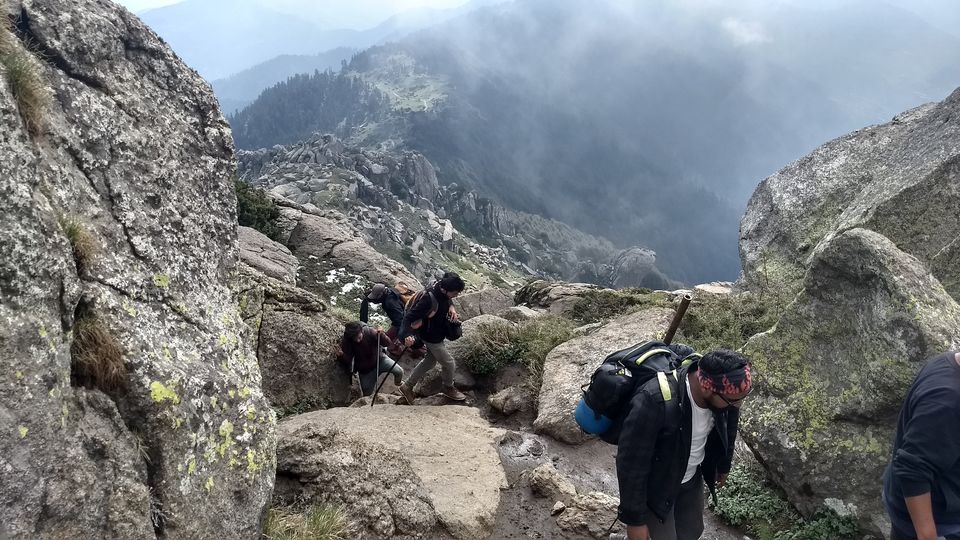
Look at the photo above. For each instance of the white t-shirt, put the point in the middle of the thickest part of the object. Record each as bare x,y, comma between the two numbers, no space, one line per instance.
701,426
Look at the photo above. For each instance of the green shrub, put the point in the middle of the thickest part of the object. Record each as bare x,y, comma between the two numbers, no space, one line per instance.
493,346
750,502
324,522
22,73
606,304
726,321
257,210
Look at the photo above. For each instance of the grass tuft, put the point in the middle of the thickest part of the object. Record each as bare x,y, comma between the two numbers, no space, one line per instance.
83,243
727,321
494,346
324,522
605,304
22,72
97,358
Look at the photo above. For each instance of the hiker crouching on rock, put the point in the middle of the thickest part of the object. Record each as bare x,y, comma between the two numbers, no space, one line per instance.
668,447
426,319
362,349
921,486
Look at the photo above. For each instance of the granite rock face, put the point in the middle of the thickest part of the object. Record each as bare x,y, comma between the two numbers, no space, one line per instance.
130,404
834,371
900,179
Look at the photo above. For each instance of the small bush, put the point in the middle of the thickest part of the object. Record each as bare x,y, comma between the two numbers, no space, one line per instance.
97,358
256,210
725,321
750,502
317,523
22,73
601,305
492,347
82,242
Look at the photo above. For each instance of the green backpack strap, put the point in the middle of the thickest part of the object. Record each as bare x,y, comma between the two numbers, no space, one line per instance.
650,353
690,358
665,383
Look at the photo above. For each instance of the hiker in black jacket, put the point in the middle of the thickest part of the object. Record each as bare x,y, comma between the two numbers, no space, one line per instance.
426,321
392,303
679,432
921,486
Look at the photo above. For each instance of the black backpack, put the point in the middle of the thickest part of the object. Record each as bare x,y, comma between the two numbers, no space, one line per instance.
607,396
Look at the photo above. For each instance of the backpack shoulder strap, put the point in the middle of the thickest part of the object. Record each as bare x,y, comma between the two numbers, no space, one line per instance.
663,377
643,357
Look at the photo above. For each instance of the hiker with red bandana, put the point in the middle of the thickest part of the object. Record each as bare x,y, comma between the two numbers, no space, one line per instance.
668,447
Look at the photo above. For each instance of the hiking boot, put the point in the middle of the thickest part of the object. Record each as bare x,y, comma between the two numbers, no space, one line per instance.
451,392
407,393
397,379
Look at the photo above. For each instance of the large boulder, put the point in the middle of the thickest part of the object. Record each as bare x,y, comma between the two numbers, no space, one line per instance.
490,301
295,338
400,472
833,372
901,179
263,254
130,406
570,364
554,297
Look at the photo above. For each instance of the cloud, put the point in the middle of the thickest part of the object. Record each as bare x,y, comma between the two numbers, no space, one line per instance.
745,32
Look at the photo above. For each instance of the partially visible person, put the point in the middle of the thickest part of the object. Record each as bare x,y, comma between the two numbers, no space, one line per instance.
392,303
361,350
921,486
426,320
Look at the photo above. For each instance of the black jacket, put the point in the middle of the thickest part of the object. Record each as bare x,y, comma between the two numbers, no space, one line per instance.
654,447
392,306
434,329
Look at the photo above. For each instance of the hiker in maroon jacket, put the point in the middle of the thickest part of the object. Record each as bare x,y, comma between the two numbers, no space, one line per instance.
361,350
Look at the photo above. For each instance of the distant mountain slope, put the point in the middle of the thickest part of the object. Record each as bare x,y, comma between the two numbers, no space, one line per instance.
644,123
239,90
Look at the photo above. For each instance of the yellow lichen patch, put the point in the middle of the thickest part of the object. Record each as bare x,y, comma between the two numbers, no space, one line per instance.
226,430
209,484
43,331
192,466
160,393
245,392
23,431
251,413
232,393
19,375
252,465
131,311
177,422
162,280
222,340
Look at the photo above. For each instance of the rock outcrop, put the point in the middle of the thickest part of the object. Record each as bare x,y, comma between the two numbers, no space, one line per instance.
295,338
900,179
571,363
835,369
400,472
130,407
553,297
266,256
490,301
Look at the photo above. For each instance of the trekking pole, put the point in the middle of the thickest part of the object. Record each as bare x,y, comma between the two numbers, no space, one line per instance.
379,386
677,317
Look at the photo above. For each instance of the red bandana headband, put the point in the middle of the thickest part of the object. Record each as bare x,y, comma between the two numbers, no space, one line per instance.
734,382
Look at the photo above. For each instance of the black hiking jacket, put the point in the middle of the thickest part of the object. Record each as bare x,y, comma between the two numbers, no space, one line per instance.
654,447
392,306
434,329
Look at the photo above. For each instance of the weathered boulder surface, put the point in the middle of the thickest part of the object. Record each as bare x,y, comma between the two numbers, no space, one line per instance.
401,472
263,254
322,244
570,364
490,301
901,179
554,297
295,339
129,405
835,369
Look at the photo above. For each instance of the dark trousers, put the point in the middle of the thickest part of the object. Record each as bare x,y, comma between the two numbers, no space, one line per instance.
685,520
